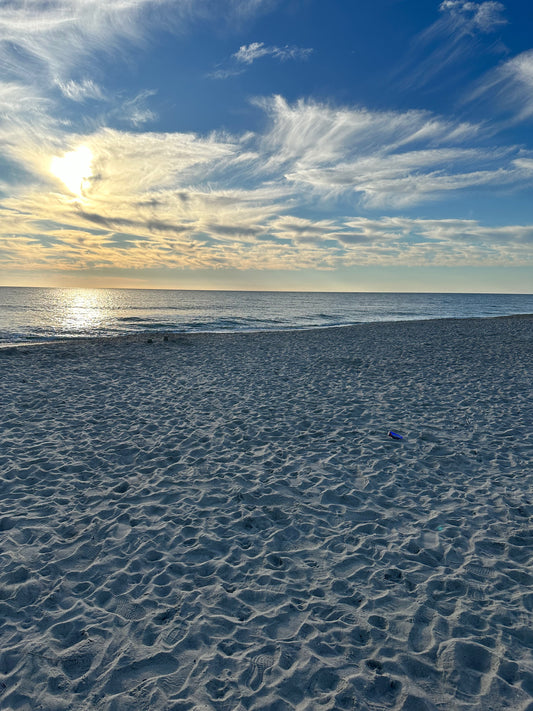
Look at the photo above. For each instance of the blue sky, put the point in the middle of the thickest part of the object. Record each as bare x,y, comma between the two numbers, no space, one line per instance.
253,144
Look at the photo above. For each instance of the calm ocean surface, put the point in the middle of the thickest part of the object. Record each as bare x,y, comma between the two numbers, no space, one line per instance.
36,314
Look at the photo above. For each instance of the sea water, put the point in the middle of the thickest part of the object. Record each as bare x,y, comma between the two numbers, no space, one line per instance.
42,314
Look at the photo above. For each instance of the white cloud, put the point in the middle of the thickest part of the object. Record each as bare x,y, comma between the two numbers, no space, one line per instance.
380,159
43,39
43,43
511,86
316,133
80,91
180,199
185,200
441,230
525,164
132,163
219,235
225,73
249,53
386,158
460,33
135,111
474,16
22,105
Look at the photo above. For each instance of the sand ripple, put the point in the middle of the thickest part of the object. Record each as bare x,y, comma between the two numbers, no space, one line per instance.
221,522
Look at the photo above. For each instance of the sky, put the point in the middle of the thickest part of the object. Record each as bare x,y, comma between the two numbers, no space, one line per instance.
267,144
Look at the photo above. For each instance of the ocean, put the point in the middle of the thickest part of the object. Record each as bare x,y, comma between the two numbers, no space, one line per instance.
29,314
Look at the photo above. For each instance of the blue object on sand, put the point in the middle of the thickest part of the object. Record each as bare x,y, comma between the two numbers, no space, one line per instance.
394,435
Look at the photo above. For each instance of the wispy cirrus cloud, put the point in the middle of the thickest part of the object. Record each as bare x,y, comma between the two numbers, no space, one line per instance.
464,16
49,54
80,90
21,105
383,159
243,200
55,35
135,111
461,31
509,88
61,44
45,41
187,201
247,54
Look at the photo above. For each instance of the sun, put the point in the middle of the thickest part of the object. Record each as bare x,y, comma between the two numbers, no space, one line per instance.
74,169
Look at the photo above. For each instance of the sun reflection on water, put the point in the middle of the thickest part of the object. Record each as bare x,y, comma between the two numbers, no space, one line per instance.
82,311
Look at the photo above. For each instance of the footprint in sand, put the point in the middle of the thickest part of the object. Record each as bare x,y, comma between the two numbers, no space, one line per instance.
77,664
421,635
252,676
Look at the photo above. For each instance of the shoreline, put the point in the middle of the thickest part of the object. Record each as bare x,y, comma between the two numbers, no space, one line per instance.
138,336
219,522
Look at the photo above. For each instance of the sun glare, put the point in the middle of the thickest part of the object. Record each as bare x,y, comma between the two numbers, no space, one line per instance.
82,310
74,169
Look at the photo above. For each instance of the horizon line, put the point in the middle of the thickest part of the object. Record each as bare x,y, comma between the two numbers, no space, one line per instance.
267,291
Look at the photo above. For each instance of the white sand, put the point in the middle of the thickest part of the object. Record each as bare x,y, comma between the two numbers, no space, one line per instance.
221,522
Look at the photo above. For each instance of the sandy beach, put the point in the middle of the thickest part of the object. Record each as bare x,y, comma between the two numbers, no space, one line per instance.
220,521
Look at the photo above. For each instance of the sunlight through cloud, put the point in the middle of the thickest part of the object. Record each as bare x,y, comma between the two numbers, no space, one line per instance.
74,169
